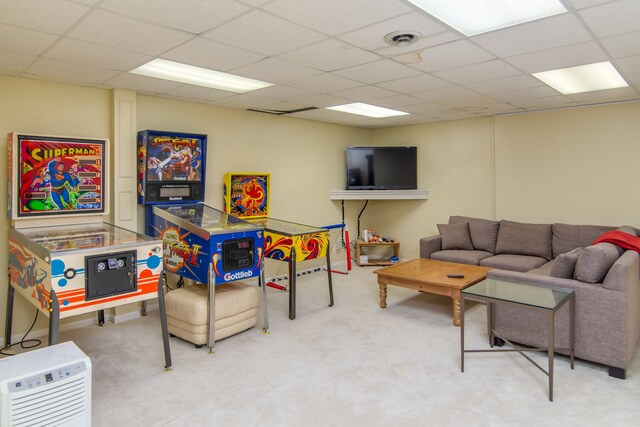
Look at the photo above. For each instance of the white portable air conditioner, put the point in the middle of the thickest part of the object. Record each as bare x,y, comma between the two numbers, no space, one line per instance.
50,386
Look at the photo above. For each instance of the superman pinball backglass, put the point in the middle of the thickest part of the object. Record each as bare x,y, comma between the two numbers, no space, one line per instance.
55,176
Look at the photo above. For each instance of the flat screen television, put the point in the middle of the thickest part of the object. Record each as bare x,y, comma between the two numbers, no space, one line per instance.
382,168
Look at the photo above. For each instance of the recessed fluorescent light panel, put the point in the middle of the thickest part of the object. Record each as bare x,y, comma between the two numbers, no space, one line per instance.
177,72
368,110
472,17
584,78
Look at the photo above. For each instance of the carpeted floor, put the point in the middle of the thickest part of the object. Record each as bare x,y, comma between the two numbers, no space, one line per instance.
353,364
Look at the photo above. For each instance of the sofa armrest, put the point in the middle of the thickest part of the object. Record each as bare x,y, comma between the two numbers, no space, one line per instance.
429,245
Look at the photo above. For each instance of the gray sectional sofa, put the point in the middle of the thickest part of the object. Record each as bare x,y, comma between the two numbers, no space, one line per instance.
605,277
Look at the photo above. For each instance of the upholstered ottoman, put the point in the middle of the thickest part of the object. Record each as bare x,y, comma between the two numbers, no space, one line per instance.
187,310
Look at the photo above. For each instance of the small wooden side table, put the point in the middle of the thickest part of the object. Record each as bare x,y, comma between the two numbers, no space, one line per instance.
362,244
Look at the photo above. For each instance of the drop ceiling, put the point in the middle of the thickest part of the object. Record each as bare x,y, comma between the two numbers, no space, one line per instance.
322,54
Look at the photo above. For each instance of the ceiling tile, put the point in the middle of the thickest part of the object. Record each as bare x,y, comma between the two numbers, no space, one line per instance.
363,93
581,4
248,32
275,70
199,92
335,17
14,63
282,92
90,54
613,18
425,107
396,101
413,84
634,79
556,31
501,108
605,95
557,101
505,84
629,64
377,72
372,37
478,72
624,45
321,101
193,16
51,16
21,40
535,92
473,104
562,57
141,83
451,55
210,54
66,71
445,93
255,3
244,101
324,82
330,55
108,29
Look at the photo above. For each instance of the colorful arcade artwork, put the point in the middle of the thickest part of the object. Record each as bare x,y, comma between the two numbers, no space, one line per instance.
170,166
57,176
195,236
246,195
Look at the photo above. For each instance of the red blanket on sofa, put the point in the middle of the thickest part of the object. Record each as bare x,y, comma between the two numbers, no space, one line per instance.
620,238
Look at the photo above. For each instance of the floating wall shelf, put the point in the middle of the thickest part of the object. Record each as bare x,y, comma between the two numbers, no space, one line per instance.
379,194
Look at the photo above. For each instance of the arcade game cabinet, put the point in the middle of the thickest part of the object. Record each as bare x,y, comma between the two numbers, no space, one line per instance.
200,243
62,258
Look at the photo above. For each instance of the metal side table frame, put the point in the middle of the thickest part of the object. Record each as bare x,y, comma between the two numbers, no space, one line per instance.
546,299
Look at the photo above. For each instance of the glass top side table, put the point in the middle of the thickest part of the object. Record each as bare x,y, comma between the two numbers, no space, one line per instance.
547,299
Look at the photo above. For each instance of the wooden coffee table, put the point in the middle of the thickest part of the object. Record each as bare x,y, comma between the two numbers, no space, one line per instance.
428,275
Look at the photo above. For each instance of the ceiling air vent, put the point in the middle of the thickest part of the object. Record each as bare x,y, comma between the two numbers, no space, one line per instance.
402,38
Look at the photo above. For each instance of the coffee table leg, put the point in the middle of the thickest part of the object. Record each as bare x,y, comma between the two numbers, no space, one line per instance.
383,295
456,311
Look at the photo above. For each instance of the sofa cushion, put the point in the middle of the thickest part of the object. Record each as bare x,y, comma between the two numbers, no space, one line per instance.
623,272
628,229
462,257
565,264
524,239
455,236
521,263
567,237
595,261
484,232
544,269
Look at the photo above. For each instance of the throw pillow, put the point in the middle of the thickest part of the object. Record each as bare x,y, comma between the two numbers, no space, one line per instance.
524,239
455,236
595,261
565,264
484,232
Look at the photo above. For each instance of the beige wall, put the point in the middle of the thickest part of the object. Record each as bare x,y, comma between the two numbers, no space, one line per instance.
455,163
576,166
46,108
